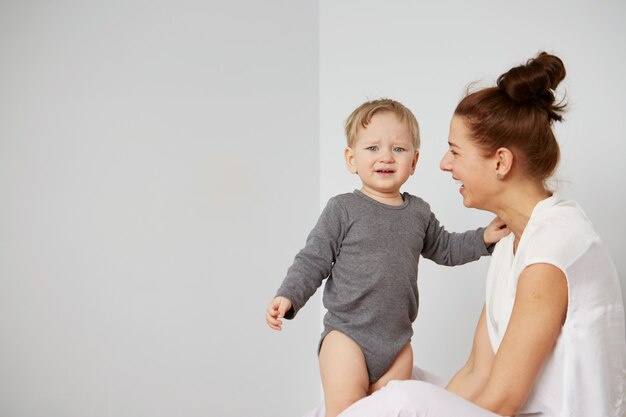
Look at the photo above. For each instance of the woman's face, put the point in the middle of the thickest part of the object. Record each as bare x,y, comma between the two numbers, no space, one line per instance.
465,161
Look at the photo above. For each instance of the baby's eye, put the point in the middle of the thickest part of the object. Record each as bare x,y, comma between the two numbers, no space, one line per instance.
372,148
398,149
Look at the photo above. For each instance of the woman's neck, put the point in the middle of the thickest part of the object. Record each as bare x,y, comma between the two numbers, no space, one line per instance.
517,207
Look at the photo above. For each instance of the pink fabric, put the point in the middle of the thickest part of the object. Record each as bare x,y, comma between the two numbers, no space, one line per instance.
424,396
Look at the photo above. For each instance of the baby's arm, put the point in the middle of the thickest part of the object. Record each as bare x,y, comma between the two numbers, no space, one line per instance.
452,248
276,310
310,267
495,231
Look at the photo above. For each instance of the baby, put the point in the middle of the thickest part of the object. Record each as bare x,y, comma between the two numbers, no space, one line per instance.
367,245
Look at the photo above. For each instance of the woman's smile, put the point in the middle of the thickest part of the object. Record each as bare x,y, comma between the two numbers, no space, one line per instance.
462,188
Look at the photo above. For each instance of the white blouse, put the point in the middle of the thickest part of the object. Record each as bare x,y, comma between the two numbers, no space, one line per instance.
585,375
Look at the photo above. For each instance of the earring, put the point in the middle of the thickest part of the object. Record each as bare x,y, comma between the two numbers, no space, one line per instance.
499,176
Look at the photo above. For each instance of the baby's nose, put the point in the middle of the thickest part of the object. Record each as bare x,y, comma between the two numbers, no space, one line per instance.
386,155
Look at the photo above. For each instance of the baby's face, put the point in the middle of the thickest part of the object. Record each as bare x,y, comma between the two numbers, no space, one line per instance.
383,155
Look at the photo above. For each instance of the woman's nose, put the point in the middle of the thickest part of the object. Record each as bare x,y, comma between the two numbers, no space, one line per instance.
445,164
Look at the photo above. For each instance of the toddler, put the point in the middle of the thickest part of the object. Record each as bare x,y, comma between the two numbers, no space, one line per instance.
367,244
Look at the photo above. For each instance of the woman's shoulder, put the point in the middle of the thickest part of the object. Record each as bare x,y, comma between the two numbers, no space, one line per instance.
562,218
558,233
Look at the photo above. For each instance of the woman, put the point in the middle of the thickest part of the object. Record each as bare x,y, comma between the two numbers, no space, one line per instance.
550,339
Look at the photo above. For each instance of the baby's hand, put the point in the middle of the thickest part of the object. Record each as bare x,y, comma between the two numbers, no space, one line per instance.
495,231
277,310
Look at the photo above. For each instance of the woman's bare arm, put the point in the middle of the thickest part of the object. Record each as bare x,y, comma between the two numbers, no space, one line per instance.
538,314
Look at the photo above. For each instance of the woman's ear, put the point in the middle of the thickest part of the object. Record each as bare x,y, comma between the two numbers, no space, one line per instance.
348,154
503,162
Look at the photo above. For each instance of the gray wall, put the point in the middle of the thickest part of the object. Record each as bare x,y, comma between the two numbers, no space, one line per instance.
158,172
160,167
424,54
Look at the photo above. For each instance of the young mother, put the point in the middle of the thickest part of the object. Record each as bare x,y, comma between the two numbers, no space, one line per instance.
550,340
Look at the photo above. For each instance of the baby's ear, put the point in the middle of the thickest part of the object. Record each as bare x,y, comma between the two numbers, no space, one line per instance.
415,159
348,154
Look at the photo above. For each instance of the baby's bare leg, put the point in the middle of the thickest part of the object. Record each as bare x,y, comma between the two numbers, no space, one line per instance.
400,369
343,371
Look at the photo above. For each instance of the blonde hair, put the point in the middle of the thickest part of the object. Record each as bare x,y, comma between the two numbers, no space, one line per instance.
363,114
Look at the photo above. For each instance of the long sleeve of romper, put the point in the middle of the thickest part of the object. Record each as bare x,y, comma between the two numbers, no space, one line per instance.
450,248
314,262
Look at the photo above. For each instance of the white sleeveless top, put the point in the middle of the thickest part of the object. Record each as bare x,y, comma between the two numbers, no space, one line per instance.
585,375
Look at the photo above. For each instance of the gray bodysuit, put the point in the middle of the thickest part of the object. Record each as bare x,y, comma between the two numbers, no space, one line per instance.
369,252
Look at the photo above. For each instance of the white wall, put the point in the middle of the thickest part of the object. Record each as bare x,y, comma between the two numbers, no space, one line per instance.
159,169
158,172
424,54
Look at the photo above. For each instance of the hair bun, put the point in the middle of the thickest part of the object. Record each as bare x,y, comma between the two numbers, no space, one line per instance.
534,82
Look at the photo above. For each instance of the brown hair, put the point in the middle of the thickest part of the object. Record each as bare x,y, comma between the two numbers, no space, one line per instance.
363,114
518,114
